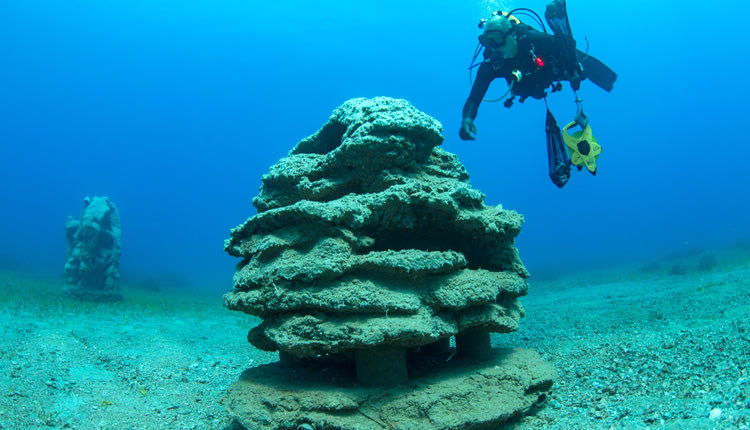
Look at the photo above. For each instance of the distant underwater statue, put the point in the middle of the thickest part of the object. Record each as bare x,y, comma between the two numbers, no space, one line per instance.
369,253
93,251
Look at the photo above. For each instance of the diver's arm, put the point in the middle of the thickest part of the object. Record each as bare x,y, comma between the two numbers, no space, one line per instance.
485,75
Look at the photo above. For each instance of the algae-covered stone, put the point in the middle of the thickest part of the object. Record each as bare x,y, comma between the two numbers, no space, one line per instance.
454,395
93,251
370,250
368,235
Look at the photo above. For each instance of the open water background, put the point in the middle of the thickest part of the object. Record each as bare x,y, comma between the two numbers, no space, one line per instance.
174,109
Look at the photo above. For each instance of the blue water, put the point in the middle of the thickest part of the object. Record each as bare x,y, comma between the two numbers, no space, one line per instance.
174,109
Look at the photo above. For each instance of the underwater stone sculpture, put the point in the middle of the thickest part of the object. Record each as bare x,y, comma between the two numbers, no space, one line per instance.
370,245
93,251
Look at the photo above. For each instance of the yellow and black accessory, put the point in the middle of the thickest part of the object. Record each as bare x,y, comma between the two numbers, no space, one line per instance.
582,146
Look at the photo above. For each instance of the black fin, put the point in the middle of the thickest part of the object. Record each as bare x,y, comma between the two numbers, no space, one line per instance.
557,154
557,18
597,72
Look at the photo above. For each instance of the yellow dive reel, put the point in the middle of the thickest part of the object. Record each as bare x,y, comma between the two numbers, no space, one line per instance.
582,146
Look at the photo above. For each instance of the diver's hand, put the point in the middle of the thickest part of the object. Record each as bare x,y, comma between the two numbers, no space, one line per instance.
467,129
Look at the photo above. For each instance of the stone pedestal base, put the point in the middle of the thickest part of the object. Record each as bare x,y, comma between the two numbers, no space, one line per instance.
439,395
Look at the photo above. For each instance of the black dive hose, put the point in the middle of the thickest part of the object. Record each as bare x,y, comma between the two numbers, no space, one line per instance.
525,11
533,15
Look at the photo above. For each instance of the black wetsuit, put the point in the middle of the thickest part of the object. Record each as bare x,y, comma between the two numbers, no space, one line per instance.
558,65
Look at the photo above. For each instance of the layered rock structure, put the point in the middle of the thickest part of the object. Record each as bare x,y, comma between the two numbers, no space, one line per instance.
369,242
93,251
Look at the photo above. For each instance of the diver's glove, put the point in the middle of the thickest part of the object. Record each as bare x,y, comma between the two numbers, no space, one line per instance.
467,129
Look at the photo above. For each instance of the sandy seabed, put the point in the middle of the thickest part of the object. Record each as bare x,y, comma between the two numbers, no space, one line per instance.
646,348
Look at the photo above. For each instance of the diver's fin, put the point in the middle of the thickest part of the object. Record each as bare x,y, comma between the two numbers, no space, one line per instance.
557,155
596,71
557,18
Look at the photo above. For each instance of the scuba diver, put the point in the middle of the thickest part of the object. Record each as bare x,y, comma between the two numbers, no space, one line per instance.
533,62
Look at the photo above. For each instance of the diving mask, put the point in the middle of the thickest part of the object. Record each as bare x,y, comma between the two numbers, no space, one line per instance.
493,38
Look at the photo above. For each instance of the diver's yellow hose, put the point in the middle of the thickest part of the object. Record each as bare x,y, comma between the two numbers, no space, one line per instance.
510,88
